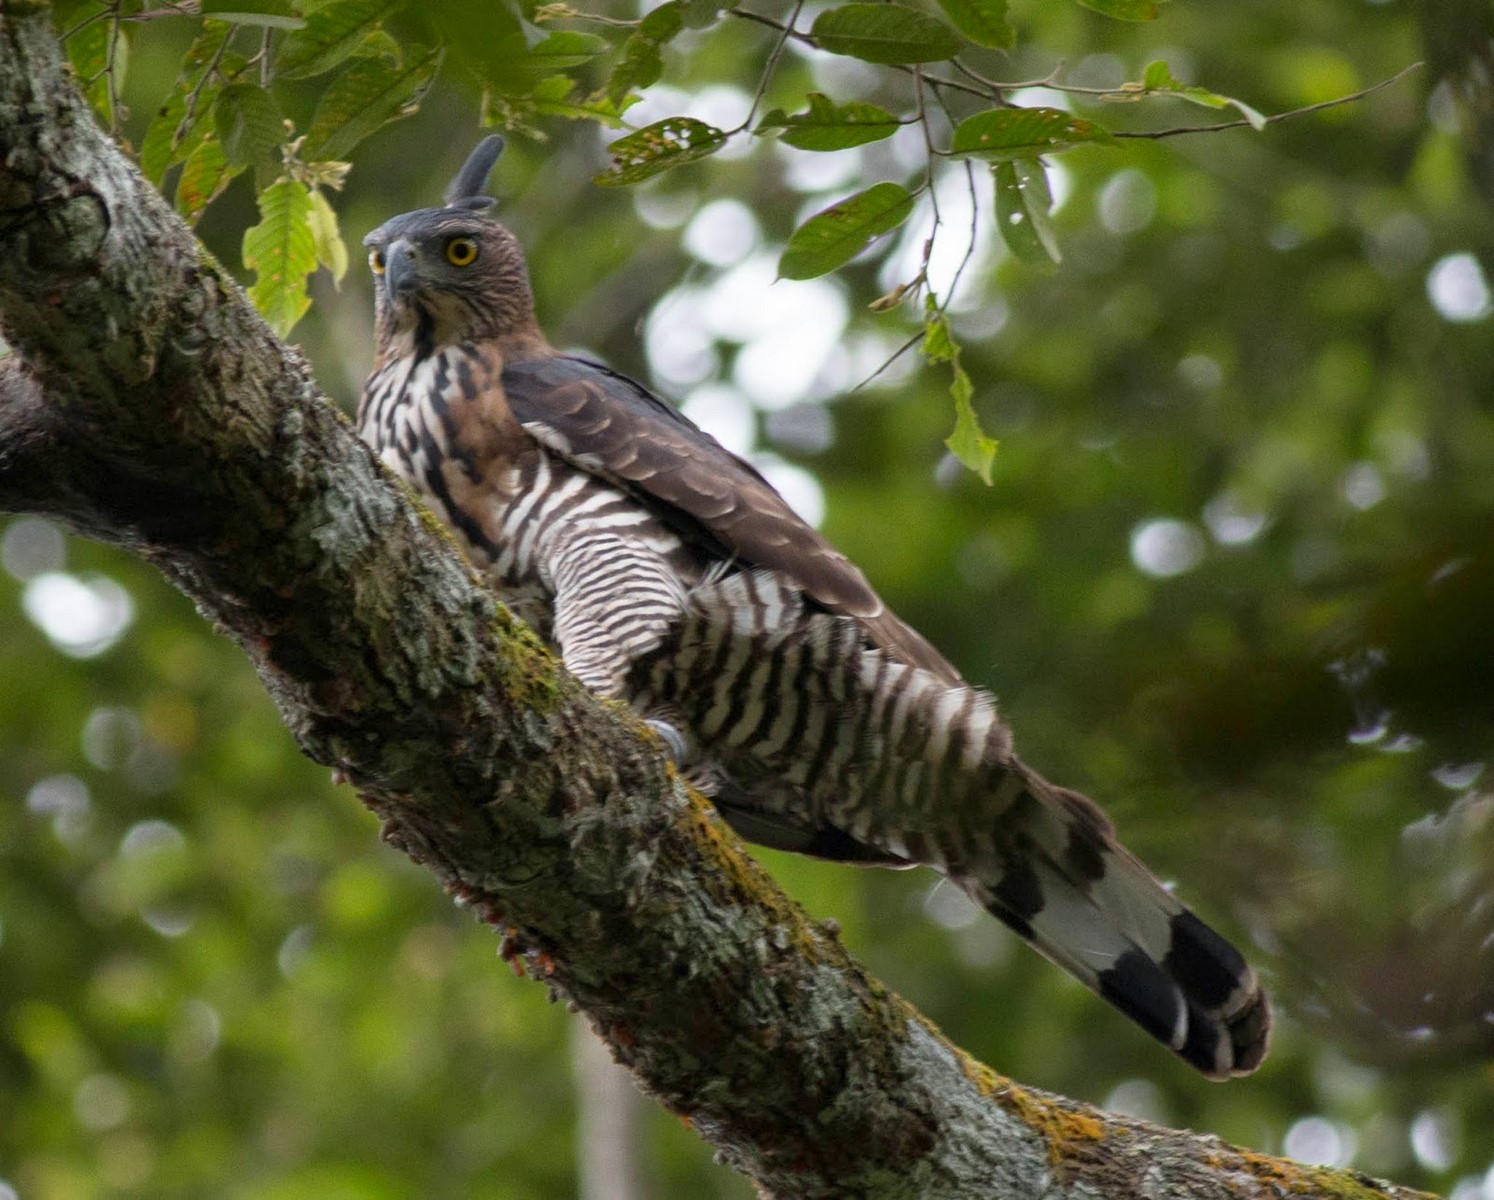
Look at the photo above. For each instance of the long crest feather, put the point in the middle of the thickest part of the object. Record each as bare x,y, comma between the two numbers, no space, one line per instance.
466,189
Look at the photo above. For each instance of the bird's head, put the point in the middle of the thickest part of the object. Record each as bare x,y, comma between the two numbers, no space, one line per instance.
451,274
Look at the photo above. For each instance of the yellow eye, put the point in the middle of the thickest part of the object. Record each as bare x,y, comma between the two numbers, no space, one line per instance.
461,252
376,261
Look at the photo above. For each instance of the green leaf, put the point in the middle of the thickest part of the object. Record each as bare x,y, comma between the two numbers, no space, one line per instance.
1023,133
968,442
884,33
829,126
486,37
204,176
1023,202
836,235
89,50
281,251
249,126
700,14
564,50
273,14
520,67
331,250
171,135
1126,10
981,21
658,147
639,67
1159,78
641,62
559,96
663,22
332,33
367,95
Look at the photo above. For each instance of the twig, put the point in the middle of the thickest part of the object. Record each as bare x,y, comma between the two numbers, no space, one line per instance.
1275,117
786,31
891,358
189,108
112,78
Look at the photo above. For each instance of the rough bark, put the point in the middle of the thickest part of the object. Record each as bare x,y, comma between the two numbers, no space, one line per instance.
149,407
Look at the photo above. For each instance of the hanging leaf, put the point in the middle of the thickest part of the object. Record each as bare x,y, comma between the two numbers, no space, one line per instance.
981,21
836,235
658,147
204,176
367,95
884,33
1159,78
968,442
829,126
1023,133
642,62
249,126
332,33
281,251
331,250
1126,10
1023,202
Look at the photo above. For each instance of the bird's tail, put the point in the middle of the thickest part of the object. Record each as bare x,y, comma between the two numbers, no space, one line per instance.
1066,886
836,748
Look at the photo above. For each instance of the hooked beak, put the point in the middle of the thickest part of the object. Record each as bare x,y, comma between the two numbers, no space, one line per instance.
401,276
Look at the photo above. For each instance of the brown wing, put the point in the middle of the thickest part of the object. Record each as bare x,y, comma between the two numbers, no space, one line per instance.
607,424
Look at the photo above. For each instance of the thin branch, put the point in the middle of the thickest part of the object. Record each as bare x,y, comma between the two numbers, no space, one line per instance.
891,358
770,67
1275,117
189,107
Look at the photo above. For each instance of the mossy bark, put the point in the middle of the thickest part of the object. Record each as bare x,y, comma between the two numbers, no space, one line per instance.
149,407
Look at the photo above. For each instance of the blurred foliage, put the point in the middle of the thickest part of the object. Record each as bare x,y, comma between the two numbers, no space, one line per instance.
1234,577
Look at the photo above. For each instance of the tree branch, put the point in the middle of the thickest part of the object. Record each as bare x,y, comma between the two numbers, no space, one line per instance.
148,406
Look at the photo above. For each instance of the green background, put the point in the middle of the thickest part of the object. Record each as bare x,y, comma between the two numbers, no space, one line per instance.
215,981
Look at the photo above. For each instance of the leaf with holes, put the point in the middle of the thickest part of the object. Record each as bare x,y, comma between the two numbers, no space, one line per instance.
281,251
658,147
829,126
333,31
884,33
836,235
1023,133
1023,202
367,95
981,21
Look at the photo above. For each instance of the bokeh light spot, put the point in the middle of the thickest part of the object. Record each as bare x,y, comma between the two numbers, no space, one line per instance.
1458,289
1166,547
